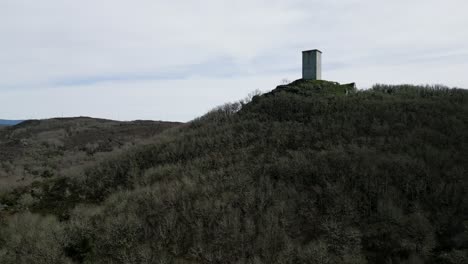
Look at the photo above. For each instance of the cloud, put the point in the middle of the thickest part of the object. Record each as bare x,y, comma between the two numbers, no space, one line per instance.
93,47
176,100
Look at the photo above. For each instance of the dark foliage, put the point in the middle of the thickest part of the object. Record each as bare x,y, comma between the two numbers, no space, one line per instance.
312,172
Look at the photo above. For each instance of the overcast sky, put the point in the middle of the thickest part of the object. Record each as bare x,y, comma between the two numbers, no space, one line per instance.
175,60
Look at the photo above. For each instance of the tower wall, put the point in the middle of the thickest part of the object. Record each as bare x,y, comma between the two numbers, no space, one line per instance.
312,65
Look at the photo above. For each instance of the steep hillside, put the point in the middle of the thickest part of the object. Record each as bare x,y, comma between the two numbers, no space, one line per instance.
312,172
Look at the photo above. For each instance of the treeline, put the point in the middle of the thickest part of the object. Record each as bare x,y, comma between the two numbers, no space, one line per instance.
313,172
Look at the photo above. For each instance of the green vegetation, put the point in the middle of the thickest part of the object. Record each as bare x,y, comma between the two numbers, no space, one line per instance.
312,172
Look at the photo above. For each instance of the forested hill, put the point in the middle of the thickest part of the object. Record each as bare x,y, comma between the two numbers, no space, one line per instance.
35,150
312,172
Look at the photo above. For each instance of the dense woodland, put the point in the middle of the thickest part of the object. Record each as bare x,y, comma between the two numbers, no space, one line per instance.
312,172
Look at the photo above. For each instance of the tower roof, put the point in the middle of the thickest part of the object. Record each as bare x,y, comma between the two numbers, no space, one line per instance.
314,50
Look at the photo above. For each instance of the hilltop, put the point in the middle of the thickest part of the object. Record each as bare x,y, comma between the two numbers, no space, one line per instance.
311,172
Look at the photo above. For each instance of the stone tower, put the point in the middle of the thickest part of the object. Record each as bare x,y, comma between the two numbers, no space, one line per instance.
312,65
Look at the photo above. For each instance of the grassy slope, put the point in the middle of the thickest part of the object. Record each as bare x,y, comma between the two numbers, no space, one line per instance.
312,172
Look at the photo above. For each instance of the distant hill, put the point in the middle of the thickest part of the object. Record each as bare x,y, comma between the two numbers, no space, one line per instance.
4,122
311,172
52,147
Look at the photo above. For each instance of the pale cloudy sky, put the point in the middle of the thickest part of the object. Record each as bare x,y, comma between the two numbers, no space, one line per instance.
175,60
